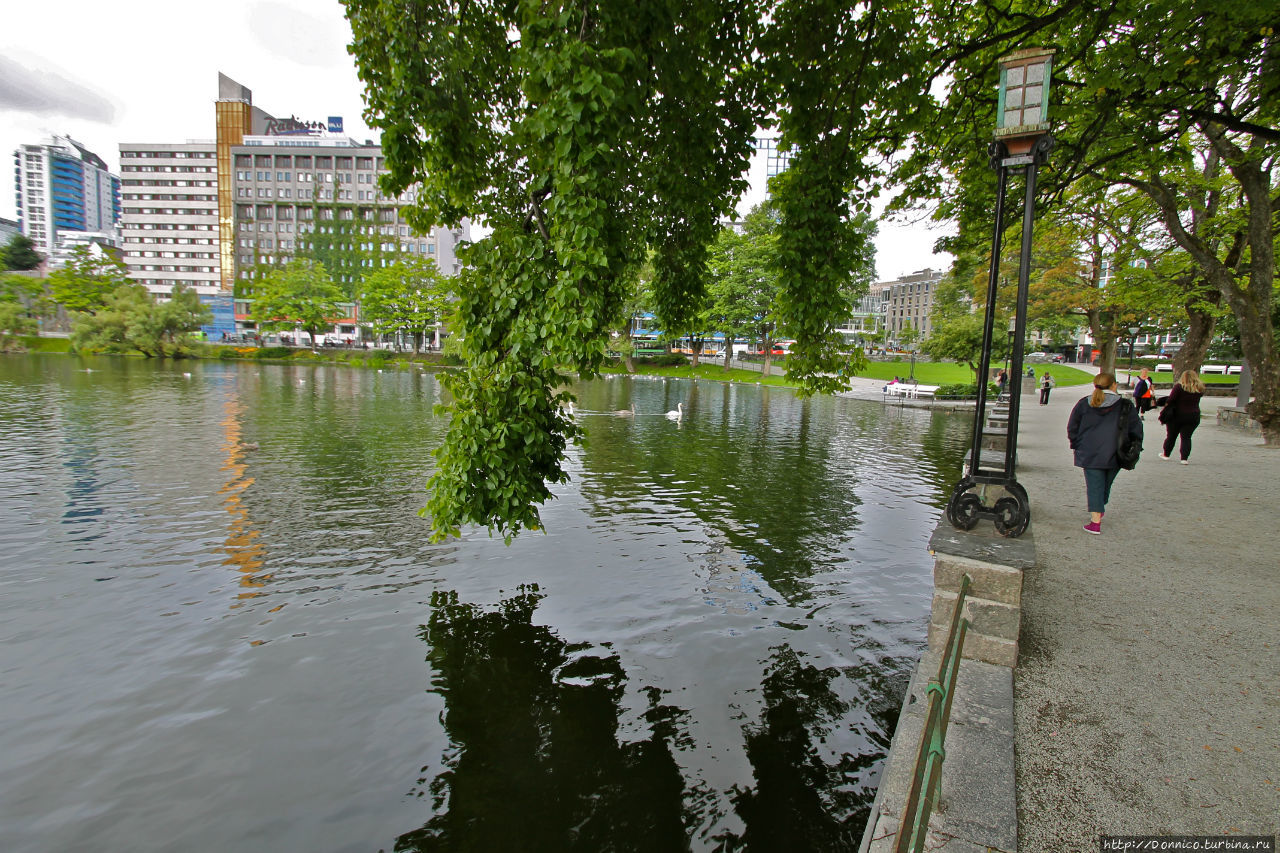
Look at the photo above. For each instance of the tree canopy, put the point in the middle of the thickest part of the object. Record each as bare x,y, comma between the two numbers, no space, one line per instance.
409,298
589,134
130,319
20,254
87,280
301,293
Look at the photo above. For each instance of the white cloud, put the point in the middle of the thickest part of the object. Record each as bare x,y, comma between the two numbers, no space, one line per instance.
296,35
44,92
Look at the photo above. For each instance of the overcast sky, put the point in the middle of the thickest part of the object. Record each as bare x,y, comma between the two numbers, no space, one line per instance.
149,73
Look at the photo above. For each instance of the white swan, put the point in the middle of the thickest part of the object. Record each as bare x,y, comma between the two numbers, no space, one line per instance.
626,413
678,413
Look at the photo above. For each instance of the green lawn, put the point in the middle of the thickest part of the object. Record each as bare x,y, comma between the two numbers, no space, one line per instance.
927,372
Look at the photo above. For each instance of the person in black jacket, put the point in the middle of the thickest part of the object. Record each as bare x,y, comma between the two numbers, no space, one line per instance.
1143,397
1181,414
1091,431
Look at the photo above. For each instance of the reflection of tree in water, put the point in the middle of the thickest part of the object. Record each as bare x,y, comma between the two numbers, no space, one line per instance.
536,763
801,801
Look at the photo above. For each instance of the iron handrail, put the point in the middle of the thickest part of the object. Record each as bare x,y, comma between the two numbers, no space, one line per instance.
927,774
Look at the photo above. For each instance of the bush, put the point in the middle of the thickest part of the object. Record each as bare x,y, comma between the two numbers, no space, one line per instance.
963,391
273,352
673,359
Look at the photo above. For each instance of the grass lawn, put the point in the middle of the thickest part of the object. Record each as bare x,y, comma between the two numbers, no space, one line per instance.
927,372
945,372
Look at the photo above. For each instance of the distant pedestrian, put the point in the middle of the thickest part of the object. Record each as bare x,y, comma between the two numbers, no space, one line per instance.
1002,381
1046,385
1181,414
1091,432
1142,392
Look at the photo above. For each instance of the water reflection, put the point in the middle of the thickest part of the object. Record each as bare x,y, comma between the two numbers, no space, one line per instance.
536,762
244,548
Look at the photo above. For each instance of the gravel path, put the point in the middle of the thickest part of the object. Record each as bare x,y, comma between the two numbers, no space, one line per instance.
1147,694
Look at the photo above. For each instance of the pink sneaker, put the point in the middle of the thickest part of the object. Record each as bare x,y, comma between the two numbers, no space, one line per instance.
1093,527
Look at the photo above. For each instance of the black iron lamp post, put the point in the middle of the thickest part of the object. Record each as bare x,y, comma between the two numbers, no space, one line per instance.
1022,142
1133,342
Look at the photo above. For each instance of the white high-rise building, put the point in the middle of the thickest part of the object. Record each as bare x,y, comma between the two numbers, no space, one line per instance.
63,186
169,226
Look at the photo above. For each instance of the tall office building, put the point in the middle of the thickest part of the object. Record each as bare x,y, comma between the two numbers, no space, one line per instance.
62,186
169,226
317,190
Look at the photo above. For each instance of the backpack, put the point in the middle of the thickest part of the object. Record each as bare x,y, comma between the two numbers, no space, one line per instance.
1128,448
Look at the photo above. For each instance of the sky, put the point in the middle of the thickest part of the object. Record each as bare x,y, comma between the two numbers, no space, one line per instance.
150,74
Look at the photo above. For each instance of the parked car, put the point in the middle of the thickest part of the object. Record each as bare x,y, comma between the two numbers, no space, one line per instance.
1038,355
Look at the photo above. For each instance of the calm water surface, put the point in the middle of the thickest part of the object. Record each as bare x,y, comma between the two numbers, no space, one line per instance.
223,627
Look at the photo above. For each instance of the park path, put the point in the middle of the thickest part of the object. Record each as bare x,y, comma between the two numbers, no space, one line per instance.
1147,692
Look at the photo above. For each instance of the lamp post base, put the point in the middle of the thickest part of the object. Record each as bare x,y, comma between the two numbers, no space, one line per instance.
1011,513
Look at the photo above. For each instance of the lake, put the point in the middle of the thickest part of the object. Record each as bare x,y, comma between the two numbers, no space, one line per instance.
224,627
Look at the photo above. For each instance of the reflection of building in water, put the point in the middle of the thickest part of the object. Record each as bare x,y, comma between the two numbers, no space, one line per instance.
243,548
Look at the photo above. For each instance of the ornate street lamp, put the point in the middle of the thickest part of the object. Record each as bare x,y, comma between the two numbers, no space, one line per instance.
1022,142
1133,342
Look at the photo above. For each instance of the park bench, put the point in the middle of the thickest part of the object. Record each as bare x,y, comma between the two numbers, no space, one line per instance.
1213,368
1235,368
1164,368
925,390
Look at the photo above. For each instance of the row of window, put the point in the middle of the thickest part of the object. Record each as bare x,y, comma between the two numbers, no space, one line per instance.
169,211
167,197
167,226
204,255
176,268
178,155
128,167
307,161
136,183
180,241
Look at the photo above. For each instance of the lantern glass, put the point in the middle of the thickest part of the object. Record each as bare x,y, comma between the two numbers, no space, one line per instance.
1024,93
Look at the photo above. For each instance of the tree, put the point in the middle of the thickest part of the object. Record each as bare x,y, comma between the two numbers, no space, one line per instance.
87,279
130,319
301,293
585,133
957,324
580,135
1151,94
18,294
409,298
20,254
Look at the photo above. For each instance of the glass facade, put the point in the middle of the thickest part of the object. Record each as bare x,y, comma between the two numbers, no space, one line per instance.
233,119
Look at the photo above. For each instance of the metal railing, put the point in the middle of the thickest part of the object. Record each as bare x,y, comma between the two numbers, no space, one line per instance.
926,780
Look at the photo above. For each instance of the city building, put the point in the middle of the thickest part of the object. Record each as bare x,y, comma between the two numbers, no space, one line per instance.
169,221
908,302
62,186
99,243
9,228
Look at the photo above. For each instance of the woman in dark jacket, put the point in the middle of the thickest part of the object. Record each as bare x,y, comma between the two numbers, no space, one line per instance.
1182,414
1091,431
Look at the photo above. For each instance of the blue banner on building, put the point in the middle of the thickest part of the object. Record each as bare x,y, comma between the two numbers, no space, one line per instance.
224,317
335,124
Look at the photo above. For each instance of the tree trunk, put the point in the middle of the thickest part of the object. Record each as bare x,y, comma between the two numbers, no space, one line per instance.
631,365
417,343
1199,337
728,352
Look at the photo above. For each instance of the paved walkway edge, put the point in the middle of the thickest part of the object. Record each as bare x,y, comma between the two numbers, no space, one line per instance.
978,808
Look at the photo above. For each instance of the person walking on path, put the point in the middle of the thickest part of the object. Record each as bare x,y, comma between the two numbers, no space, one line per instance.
1002,380
1181,414
1046,385
1092,433
1142,395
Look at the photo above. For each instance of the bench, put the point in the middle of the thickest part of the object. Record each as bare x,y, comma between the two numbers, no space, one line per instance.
1235,368
1164,368
910,390
1213,368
